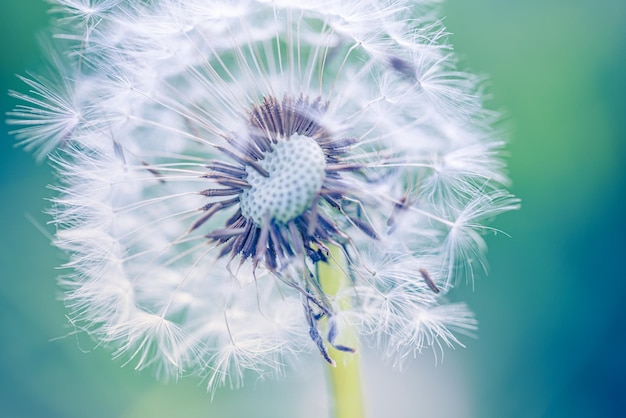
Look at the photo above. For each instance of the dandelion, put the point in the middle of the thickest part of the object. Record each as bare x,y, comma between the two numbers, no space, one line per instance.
241,181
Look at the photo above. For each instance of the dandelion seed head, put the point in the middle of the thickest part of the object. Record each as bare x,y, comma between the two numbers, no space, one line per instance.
212,155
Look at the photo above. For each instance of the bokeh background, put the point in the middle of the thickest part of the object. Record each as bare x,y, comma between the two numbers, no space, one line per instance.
552,312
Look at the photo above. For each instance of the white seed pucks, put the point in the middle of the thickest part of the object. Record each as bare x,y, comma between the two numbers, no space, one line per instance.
296,168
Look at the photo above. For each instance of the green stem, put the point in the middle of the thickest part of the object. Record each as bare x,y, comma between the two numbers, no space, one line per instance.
345,383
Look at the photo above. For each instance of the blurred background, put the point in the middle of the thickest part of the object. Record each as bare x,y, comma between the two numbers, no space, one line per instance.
552,315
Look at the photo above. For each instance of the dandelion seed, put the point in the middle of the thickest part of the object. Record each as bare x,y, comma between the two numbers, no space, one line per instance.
212,155
431,284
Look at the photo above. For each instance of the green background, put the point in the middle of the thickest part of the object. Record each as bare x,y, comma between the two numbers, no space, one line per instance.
552,316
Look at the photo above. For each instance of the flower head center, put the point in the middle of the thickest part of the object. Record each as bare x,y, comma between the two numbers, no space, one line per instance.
296,168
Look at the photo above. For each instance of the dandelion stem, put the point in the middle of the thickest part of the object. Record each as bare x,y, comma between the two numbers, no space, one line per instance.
344,379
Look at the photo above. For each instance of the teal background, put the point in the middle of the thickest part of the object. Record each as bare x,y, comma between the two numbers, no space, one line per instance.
552,316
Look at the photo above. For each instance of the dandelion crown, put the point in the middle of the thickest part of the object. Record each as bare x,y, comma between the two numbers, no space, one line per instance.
213,154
